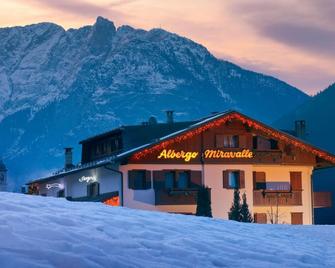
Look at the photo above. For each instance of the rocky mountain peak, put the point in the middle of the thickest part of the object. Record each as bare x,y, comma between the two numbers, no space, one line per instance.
102,35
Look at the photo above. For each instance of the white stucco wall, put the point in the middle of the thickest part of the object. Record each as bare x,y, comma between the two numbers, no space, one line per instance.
145,199
109,182
222,198
52,191
282,173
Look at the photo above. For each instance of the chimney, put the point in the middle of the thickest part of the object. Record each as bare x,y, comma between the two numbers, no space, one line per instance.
169,117
68,157
300,128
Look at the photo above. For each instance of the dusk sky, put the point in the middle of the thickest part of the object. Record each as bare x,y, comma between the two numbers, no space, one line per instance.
289,39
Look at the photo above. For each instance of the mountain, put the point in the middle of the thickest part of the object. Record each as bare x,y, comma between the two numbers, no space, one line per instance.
58,86
319,114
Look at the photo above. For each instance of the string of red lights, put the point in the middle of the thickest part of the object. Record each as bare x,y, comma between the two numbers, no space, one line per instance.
220,121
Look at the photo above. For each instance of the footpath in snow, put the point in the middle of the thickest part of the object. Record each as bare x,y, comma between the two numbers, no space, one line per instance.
40,231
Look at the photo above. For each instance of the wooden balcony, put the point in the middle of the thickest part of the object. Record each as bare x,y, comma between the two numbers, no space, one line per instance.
272,198
268,157
322,199
176,197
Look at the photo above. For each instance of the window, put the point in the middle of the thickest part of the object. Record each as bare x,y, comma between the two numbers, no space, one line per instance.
233,179
115,144
227,141
139,179
101,148
169,180
177,179
262,143
255,142
183,180
273,144
93,189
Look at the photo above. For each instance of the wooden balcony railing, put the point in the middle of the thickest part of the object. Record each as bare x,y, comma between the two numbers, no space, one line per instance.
271,156
322,199
176,197
272,198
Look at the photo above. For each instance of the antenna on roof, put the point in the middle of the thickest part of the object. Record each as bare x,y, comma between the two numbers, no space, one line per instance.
169,116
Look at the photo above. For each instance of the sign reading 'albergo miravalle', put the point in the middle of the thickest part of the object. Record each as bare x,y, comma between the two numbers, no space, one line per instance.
208,154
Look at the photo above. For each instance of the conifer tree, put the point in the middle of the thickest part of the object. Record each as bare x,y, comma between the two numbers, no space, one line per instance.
245,213
235,210
204,203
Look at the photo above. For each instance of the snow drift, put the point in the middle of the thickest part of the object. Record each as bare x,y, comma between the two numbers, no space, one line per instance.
40,231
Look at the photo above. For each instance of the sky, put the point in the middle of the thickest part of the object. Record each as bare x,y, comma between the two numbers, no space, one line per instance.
293,40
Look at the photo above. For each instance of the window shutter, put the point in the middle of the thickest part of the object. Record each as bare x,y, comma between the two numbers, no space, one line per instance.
296,218
260,218
147,184
258,177
241,183
158,178
98,188
243,141
88,190
295,179
196,179
131,179
225,175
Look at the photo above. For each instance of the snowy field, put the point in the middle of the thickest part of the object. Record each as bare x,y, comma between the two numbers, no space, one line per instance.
49,232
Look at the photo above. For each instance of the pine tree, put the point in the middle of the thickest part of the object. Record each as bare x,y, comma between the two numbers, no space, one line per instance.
235,210
245,213
204,203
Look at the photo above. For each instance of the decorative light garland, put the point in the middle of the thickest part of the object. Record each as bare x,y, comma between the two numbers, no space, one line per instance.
220,121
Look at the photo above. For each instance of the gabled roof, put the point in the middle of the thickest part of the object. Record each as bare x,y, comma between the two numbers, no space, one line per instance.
219,119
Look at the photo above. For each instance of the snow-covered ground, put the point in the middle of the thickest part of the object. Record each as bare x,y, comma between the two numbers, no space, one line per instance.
49,232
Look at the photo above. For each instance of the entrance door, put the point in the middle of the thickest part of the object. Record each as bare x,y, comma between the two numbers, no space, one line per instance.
93,189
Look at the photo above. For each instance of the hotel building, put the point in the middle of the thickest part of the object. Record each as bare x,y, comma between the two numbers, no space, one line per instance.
161,166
